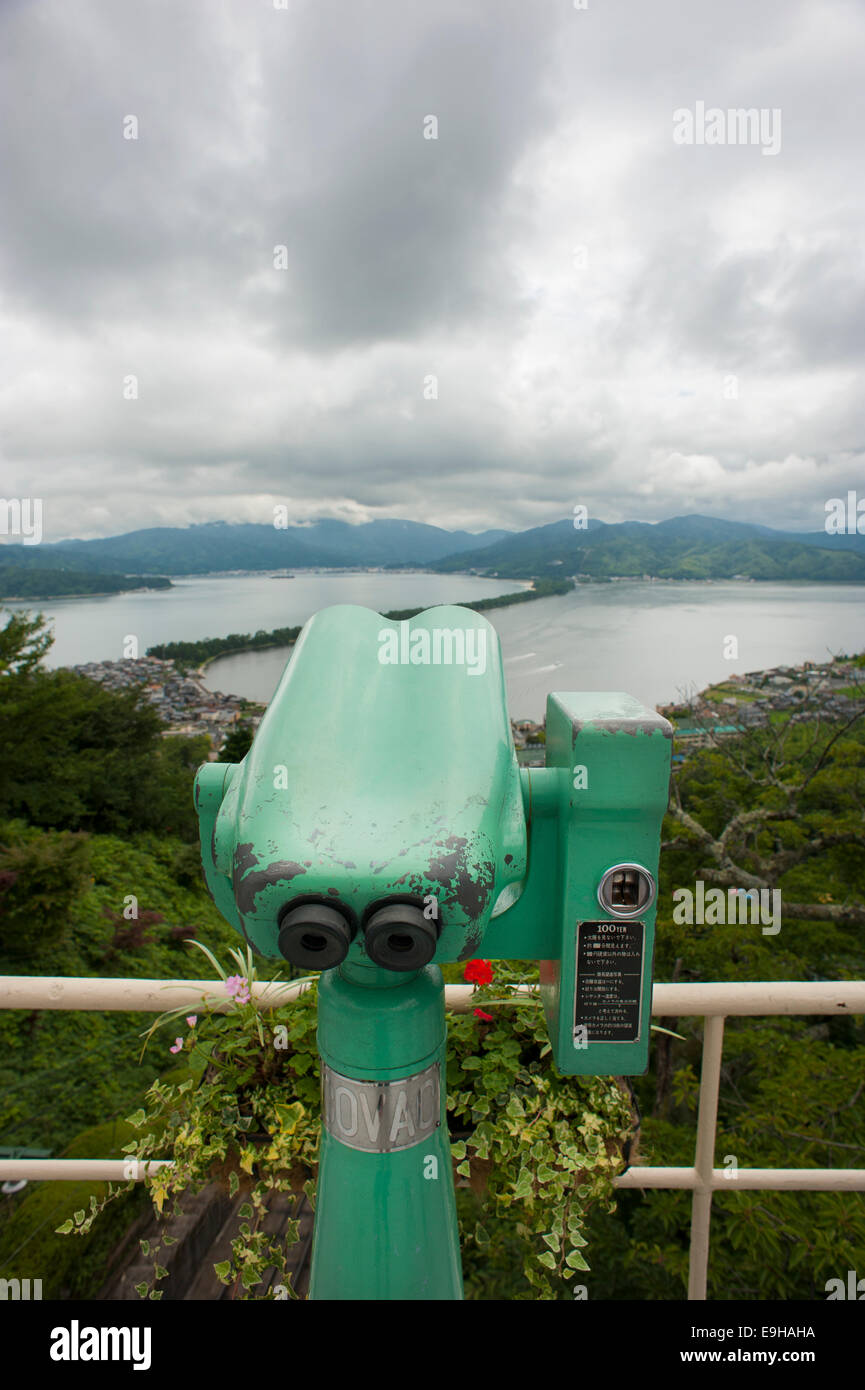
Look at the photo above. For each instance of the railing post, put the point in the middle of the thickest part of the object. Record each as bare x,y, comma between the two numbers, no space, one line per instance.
704,1162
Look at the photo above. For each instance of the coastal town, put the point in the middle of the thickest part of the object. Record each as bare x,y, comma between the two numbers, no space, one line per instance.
834,689
831,690
182,699
188,707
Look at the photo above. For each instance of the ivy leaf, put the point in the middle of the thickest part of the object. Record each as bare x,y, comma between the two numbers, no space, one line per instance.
145,1247
233,1184
574,1260
547,1259
223,1271
290,1116
551,1239
481,1236
523,1186
64,1229
141,1290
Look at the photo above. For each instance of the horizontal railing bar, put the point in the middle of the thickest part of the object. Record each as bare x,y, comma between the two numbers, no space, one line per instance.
668,1000
747,1179
133,996
80,1169
681,1179
753,998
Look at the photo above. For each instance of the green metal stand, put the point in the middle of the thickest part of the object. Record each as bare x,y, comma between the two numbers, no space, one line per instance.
379,827
385,1225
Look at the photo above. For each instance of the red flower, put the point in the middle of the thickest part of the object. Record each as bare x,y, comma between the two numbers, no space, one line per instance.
478,972
479,1013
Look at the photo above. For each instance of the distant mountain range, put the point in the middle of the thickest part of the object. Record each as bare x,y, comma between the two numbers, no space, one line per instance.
222,545
685,547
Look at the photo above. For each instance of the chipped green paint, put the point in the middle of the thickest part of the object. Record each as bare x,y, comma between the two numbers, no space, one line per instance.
367,781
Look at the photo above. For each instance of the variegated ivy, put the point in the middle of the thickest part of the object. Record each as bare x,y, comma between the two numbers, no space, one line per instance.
537,1148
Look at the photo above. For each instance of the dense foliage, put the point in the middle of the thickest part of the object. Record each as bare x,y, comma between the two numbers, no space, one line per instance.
791,1088
90,884
533,1152
77,756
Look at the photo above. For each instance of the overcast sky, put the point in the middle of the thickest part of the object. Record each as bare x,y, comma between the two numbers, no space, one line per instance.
612,318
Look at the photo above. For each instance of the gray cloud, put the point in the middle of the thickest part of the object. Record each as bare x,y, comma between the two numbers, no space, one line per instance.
559,379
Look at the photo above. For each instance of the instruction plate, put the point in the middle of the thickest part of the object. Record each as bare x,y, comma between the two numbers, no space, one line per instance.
609,981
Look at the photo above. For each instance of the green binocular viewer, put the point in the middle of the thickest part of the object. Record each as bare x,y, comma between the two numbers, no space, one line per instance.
381,817
379,827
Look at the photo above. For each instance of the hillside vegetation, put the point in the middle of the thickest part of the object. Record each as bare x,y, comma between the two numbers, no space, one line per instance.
100,875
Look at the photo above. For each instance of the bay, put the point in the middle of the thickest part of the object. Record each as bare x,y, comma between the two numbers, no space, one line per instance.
213,605
657,641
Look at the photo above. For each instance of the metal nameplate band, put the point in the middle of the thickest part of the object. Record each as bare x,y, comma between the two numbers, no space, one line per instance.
381,1116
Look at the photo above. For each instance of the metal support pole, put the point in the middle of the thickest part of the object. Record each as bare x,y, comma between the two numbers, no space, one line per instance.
385,1221
707,1117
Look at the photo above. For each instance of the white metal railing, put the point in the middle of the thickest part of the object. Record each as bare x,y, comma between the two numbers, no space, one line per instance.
713,1002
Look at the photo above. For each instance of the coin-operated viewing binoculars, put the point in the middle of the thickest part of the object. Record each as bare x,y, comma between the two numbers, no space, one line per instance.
380,826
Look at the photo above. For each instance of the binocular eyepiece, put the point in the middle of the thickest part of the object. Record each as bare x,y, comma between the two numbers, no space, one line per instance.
397,935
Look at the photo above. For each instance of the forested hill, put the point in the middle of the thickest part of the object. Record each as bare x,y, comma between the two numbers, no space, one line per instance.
220,545
682,548
685,547
16,582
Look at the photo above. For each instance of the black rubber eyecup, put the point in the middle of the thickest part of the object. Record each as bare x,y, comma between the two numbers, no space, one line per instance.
315,936
399,937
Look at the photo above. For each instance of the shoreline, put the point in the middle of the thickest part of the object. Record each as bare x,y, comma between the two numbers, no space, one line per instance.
528,593
581,582
96,593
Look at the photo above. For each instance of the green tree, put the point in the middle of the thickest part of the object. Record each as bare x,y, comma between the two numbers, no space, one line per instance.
23,643
42,876
80,757
237,743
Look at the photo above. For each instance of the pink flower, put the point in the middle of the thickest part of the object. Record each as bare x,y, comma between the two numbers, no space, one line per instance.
238,986
192,1020
178,1045
479,1013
